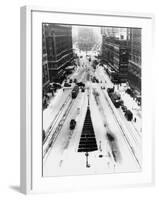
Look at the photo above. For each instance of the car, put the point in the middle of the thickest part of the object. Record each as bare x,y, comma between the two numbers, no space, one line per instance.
80,84
110,90
130,92
121,102
124,108
72,124
67,84
138,99
116,104
97,81
75,91
102,87
54,86
129,115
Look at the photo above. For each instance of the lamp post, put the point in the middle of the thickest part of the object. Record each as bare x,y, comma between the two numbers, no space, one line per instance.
87,164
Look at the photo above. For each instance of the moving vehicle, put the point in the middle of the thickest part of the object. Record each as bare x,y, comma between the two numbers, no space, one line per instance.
72,124
75,92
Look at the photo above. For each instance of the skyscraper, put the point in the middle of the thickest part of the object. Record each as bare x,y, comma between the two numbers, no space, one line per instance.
59,49
134,72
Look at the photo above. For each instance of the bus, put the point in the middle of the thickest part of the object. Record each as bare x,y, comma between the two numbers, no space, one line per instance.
75,92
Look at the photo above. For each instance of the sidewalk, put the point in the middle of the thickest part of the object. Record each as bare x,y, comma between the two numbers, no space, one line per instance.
132,105
129,102
55,103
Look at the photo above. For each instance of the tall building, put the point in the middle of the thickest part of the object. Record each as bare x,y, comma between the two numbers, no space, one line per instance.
59,49
45,69
134,70
115,53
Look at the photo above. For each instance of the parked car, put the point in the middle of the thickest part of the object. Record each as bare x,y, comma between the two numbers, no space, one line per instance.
130,92
75,80
67,84
129,115
121,102
124,108
55,86
80,84
110,90
138,99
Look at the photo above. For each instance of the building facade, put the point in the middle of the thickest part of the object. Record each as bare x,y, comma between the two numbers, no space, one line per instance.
115,54
134,70
45,69
59,50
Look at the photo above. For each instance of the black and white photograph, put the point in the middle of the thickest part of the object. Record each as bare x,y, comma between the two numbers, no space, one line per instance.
91,99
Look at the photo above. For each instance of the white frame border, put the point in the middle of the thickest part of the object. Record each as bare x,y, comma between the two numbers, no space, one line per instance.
26,87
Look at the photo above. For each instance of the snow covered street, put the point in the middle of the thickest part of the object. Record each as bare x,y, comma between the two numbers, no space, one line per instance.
119,141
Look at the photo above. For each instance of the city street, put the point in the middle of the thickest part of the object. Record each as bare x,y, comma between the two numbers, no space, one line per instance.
119,142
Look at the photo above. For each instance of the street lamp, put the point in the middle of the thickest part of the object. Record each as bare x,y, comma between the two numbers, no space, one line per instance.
87,164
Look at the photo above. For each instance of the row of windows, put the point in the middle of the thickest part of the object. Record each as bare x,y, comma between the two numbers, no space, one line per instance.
45,74
61,62
136,59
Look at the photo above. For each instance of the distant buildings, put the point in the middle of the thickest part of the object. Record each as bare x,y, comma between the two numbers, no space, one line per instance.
115,32
87,38
58,40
